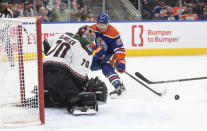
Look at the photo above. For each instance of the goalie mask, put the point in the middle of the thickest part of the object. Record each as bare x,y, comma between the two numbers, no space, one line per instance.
87,33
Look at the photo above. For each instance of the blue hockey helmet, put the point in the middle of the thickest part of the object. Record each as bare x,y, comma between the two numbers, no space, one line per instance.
103,19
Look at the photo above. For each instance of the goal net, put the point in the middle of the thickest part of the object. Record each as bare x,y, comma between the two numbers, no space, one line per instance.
21,80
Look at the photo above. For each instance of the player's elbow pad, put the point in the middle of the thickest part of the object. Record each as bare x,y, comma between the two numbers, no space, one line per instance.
120,54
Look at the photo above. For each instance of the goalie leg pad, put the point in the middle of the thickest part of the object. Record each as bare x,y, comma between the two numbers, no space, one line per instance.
86,105
87,98
51,99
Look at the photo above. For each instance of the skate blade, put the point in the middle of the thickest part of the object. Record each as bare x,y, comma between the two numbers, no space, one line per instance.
101,103
115,96
89,112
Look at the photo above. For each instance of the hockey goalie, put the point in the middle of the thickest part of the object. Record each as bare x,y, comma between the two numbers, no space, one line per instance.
67,62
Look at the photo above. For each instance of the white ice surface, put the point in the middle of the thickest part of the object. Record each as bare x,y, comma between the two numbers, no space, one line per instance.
140,109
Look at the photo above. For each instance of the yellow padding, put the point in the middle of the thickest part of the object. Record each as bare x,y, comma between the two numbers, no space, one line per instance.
130,53
30,56
26,56
166,52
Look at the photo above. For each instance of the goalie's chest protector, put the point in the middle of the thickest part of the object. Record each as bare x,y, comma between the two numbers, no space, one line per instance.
71,53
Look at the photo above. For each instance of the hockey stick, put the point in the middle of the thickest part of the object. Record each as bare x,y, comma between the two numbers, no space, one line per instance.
157,93
166,81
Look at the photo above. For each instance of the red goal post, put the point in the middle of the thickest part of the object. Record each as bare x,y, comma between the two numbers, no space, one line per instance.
21,72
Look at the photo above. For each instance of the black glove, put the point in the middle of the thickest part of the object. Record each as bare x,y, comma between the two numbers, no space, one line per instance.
46,46
99,87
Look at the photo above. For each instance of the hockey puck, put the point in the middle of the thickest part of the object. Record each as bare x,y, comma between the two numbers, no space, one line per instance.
177,97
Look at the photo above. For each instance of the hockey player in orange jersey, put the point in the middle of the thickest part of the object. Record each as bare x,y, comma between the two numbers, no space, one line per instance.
188,14
109,46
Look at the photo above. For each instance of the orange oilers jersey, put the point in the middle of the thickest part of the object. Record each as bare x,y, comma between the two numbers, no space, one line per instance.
190,17
176,10
111,41
160,11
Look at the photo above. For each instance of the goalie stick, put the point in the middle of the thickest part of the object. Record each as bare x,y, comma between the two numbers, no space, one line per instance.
155,92
139,75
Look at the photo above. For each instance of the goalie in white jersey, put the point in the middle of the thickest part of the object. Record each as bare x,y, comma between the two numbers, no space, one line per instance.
66,65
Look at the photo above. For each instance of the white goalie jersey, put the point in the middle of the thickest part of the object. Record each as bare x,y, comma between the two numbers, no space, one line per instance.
70,51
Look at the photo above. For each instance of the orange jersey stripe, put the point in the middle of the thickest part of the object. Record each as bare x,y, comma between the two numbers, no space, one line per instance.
113,77
99,48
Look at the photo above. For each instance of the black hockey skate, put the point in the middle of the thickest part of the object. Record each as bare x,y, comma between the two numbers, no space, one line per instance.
118,92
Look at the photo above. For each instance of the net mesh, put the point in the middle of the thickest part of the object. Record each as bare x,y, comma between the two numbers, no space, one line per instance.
19,91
